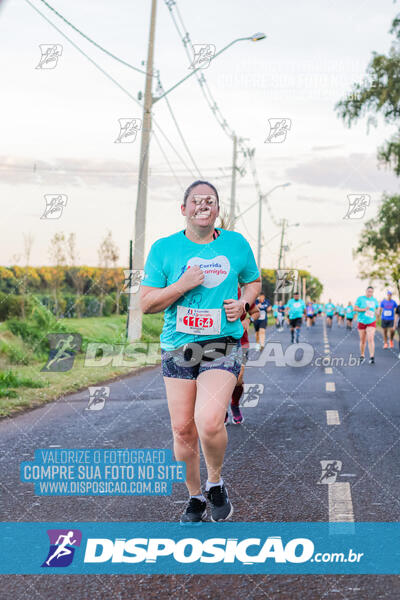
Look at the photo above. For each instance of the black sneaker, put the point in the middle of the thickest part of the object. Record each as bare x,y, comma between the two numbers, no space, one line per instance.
372,360
221,508
361,360
195,512
237,417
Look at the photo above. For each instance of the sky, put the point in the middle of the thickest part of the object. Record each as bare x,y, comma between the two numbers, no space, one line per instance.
59,125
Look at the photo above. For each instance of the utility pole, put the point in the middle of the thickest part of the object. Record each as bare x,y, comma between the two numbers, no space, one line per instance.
134,312
260,199
233,185
283,224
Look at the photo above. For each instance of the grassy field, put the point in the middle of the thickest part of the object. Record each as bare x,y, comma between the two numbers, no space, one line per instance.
22,383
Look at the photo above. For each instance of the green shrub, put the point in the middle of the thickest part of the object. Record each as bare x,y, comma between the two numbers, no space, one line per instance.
34,329
11,305
10,379
15,355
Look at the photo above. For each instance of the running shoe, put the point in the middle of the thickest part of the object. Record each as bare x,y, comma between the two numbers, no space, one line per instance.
195,512
372,360
391,344
221,508
385,345
362,360
237,417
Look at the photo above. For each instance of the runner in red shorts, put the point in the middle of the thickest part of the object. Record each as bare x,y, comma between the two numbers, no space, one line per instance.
237,417
366,307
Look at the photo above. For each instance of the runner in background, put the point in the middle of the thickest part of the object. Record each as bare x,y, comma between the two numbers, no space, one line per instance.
397,323
315,306
366,307
341,313
237,417
295,308
349,315
309,313
281,314
329,311
260,324
386,310
275,314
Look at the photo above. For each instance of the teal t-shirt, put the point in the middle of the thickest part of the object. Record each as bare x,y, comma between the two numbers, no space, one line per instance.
296,308
349,312
341,310
371,304
329,309
275,310
227,261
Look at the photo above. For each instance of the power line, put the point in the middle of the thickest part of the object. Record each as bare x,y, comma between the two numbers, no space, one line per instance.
120,60
167,161
130,66
121,87
210,99
177,126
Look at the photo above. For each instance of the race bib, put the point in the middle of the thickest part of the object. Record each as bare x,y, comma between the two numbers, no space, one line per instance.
369,314
387,313
198,321
263,315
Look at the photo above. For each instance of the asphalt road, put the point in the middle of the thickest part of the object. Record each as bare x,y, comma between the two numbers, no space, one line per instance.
272,467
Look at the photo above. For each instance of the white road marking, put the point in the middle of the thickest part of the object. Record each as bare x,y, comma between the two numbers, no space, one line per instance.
326,350
332,417
328,371
330,386
340,502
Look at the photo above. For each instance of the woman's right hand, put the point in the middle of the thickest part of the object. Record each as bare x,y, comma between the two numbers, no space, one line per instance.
192,277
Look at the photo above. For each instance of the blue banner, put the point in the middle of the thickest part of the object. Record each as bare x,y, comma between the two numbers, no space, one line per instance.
103,472
150,548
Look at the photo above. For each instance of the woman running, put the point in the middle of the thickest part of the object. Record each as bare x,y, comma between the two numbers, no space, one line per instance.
193,276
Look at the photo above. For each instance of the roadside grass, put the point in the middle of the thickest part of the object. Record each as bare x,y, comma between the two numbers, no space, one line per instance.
22,383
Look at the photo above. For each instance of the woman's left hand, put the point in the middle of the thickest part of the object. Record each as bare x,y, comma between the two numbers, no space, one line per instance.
233,309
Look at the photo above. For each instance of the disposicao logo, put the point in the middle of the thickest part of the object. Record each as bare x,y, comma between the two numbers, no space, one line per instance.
62,547
190,550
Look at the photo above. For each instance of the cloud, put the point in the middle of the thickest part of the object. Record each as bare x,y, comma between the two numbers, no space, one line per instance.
318,200
323,148
356,173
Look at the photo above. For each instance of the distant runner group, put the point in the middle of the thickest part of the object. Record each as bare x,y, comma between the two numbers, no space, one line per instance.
365,311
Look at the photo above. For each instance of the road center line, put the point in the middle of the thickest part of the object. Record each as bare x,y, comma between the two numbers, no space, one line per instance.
340,502
330,386
328,371
332,417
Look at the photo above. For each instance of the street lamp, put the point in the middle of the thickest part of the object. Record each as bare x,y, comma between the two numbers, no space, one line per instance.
254,38
134,324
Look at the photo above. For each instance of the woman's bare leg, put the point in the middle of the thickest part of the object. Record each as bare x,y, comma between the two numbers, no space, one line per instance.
214,393
181,395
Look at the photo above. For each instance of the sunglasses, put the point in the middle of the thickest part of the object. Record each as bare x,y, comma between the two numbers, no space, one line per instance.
208,200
